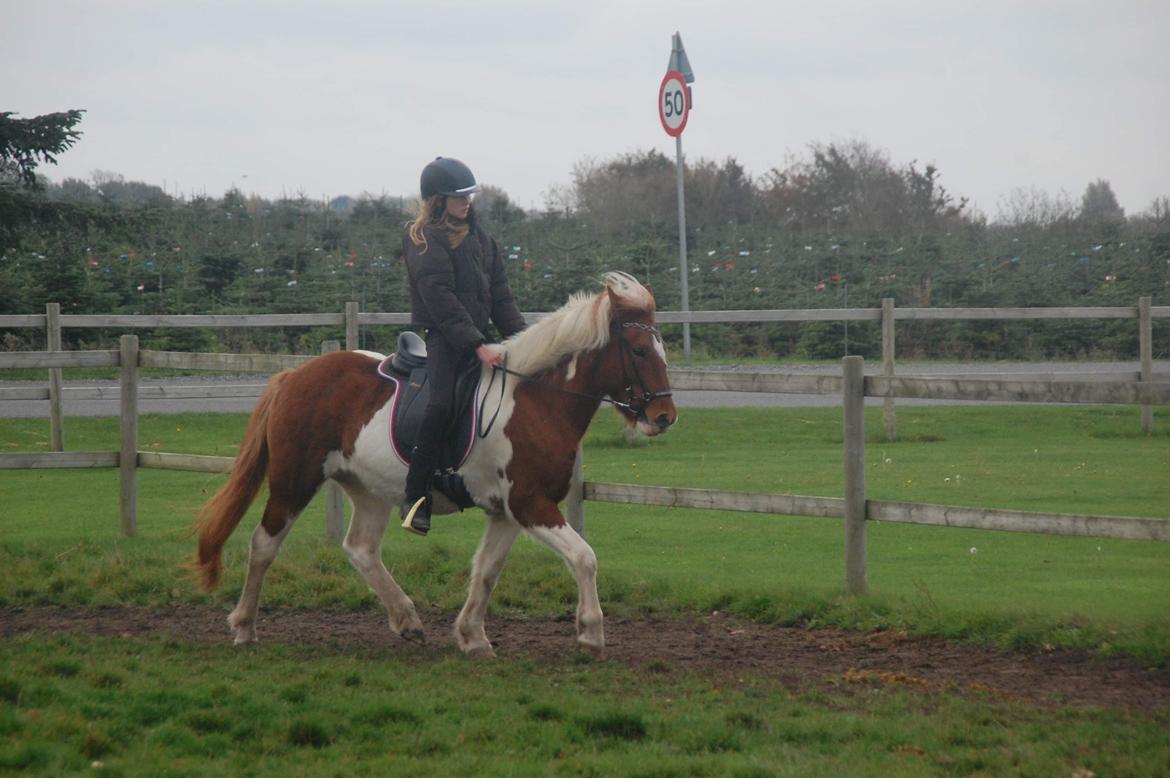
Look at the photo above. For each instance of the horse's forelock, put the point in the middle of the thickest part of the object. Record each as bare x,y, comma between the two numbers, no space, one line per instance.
631,293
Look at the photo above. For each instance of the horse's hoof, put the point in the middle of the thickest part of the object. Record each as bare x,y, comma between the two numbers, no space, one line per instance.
243,633
414,635
480,651
594,651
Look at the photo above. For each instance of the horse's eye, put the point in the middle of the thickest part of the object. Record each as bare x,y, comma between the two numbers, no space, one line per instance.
639,351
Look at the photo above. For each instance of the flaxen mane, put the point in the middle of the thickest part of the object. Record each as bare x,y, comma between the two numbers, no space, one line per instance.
581,324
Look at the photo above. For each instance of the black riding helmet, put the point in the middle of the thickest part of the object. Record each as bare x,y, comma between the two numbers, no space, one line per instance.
447,176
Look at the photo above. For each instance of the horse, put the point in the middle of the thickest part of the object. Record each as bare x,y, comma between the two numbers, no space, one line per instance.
329,419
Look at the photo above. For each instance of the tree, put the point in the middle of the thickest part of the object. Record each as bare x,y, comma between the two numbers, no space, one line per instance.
718,194
25,143
631,193
497,209
854,186
1034,208
1099,205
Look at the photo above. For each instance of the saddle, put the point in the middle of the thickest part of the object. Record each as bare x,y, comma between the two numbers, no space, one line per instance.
407,368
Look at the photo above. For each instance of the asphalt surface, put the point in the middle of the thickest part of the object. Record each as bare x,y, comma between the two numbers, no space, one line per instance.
108,405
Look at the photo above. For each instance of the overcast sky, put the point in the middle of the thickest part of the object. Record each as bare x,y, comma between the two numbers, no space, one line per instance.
349,97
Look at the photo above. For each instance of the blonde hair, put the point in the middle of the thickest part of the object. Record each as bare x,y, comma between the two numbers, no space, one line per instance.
581,324
433,211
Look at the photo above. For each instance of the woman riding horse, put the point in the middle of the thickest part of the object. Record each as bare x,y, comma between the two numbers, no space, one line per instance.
330,419
457,284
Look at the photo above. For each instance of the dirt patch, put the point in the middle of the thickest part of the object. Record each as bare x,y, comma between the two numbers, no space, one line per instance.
714,645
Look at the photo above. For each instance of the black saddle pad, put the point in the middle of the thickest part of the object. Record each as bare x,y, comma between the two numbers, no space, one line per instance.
410,401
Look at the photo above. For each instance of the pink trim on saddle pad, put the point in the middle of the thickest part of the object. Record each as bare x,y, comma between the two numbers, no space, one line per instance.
384,365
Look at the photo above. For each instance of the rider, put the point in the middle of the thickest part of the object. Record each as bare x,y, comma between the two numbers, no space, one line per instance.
457,284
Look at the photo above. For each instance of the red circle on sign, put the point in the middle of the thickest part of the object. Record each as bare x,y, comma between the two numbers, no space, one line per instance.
671,93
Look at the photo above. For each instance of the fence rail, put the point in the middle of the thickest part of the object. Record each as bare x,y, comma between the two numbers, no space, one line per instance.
352,319
1147,390
854,508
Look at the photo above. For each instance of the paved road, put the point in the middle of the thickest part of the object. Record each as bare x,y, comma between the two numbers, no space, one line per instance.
684,399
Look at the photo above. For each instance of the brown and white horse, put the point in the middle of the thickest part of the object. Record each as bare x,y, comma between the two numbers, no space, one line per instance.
329,418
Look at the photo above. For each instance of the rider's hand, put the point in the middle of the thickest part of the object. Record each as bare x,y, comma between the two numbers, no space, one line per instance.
489,356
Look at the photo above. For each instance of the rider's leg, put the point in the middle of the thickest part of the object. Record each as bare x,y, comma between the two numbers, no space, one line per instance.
443,360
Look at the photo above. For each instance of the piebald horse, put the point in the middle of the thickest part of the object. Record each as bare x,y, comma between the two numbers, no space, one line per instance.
329,419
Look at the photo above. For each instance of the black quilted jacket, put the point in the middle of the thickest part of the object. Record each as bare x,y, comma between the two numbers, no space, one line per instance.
459,291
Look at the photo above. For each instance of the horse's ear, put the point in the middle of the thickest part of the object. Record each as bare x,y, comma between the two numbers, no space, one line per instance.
649,289
615,300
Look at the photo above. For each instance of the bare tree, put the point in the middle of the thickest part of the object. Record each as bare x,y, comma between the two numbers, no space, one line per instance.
634,189
1032,207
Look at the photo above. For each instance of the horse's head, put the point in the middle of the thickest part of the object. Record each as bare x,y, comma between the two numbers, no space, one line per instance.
640,386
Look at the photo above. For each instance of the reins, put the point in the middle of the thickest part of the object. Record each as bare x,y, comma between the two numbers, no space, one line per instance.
646,398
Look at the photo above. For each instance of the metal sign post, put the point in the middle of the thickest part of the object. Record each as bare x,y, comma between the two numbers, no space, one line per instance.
683,264
674,107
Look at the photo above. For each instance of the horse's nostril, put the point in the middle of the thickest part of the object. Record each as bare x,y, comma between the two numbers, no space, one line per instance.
663,421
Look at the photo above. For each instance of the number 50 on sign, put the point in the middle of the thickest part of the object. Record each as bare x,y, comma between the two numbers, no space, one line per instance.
673,103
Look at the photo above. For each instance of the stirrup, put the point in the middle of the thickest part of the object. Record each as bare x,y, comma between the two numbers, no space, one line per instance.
408,519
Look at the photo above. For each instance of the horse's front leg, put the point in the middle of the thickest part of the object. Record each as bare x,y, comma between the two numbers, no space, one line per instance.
363,546
581,560
497,540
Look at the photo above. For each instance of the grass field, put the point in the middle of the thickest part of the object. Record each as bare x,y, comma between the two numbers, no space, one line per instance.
1013,588
169,708
166,707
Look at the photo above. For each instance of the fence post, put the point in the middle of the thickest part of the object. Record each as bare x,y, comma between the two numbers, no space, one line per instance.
351,327
853,402
575,499
1146,354
128,455
889,419
53,343
334,500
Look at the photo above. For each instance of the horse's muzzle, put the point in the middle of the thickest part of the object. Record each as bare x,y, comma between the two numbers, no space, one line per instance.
660,423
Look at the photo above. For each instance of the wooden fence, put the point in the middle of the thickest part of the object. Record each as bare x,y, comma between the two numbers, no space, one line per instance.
853,507
352,319
852,385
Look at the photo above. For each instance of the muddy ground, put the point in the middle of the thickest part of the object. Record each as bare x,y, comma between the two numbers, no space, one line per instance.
715,646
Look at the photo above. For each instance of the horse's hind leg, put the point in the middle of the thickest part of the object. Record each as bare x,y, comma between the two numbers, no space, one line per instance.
497,540
363,546
265,545
581,560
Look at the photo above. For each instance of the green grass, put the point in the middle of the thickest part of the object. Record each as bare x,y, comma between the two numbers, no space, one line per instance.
60,544
160,707
166,708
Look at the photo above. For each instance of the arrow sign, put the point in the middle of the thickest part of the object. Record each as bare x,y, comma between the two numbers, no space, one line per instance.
678,59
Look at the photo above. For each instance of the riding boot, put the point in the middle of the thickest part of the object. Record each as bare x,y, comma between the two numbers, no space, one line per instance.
416,507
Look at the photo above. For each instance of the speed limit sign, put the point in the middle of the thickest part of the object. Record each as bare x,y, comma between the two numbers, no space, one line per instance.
674,104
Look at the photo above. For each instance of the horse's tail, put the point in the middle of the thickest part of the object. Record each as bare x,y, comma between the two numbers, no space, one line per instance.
220,516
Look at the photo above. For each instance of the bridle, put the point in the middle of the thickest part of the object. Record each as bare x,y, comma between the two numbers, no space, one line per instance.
634,403
627,352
